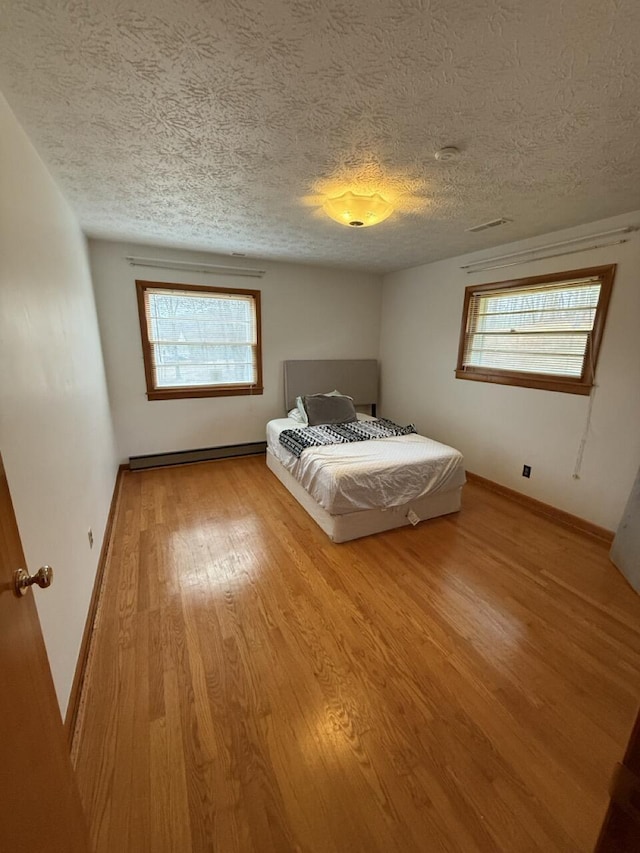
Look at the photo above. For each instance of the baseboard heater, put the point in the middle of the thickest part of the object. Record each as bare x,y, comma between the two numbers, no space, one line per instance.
181,457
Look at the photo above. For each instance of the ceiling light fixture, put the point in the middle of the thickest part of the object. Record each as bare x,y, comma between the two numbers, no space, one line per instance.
358,211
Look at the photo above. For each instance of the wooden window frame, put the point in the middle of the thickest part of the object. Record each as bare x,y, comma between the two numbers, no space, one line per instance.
191,391
543,381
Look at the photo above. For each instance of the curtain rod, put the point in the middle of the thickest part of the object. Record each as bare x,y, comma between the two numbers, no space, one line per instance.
188,266
544,257
625,230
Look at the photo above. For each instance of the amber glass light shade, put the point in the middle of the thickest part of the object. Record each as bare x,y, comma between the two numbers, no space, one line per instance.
358,211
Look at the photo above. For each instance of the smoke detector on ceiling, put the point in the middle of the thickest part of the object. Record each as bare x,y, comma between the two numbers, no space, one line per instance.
491,224
445,155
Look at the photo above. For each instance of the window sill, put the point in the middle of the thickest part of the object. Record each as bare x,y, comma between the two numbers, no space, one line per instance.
527,381
189,393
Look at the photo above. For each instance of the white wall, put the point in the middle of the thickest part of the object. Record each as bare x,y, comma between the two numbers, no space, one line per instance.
307,312
56,437
499,428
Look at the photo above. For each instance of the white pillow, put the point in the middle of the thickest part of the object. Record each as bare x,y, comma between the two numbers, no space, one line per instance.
295,415
302,412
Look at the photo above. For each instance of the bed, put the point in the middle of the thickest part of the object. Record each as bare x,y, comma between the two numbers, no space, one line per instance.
357,489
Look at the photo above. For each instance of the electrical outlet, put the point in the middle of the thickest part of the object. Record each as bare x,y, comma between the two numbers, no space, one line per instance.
526,470
90,535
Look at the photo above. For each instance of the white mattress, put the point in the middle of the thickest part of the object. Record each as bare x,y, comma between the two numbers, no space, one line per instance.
384,472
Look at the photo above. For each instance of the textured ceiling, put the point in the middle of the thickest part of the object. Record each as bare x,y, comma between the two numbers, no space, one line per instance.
223,125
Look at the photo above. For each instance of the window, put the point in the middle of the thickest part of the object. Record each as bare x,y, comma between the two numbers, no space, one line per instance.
540,332
199,341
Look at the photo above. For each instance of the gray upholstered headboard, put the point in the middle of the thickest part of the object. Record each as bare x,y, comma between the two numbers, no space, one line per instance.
358,378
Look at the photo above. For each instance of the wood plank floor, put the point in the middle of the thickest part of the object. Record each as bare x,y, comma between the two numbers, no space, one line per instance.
467,685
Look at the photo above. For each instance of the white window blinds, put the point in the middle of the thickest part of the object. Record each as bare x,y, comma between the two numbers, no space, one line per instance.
542,329
201,339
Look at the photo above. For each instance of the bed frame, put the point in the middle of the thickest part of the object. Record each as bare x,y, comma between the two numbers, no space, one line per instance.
359,379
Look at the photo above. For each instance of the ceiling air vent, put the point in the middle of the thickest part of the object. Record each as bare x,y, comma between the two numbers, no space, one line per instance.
492,224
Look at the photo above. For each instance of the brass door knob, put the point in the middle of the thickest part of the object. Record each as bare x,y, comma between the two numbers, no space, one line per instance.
22,580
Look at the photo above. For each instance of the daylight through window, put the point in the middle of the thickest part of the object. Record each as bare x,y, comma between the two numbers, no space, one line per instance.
199,341
542,332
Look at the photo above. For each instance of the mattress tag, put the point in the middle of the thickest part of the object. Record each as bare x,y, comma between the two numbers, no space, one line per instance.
413,518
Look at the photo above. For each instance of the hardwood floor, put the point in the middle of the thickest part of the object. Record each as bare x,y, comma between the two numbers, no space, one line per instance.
466,685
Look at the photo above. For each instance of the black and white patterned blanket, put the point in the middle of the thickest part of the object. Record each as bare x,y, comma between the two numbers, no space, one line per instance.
297,440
